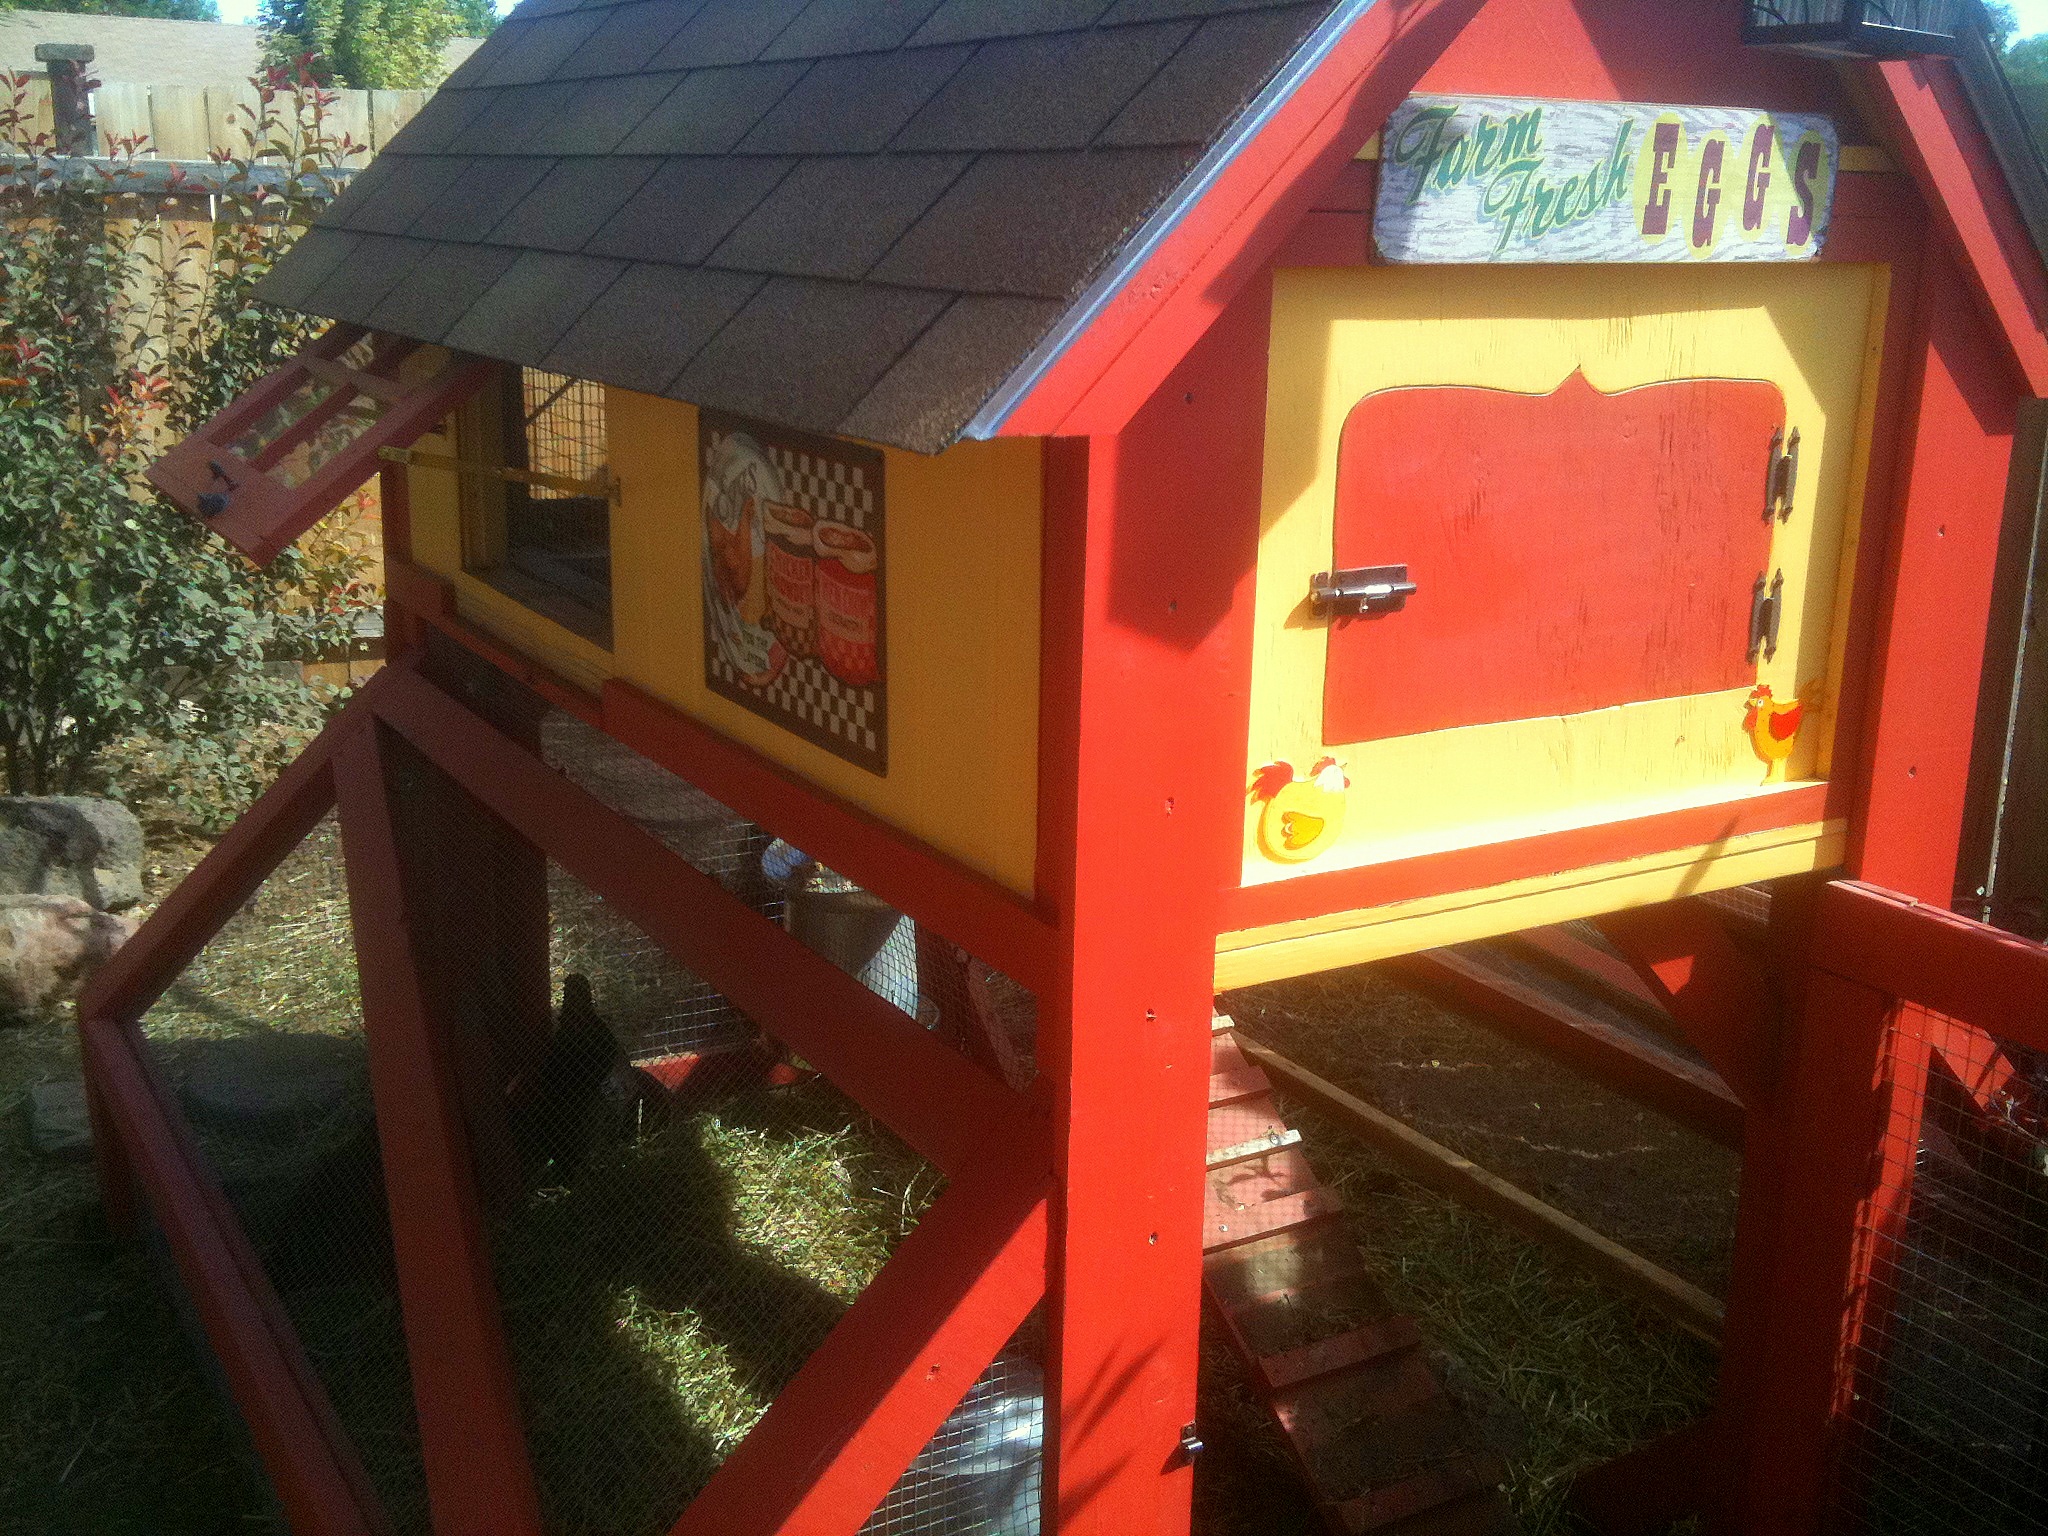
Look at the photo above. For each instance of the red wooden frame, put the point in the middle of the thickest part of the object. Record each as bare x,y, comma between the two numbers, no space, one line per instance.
869,1398
1198,268
944,1107
472,1438
1139,794
309,1460
1842,1148
262,512
1936,134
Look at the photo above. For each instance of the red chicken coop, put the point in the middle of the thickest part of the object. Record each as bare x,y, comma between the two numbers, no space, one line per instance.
926,539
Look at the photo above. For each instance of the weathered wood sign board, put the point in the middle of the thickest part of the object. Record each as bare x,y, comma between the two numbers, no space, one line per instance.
1501,179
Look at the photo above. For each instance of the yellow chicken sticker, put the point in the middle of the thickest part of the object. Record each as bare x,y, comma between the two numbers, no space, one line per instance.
1302,816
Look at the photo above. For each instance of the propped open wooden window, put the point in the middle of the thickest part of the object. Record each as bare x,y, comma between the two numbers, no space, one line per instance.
285,453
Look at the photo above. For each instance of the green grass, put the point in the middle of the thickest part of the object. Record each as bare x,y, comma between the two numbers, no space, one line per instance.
106,1425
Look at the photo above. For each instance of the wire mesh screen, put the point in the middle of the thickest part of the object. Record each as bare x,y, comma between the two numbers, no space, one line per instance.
564,421
261,1040
981,1474
558,530
673,1253
754,1191
658,1008
973,1005
1949,1431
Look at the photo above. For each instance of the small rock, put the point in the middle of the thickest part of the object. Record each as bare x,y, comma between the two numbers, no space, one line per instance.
49,946
270,1085
71,845
58,1125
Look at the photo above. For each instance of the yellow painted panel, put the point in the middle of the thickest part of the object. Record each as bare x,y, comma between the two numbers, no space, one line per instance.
962,553
1340,334
1401,928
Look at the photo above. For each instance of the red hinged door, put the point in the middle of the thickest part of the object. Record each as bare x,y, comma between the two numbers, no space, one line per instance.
289,448
1572,551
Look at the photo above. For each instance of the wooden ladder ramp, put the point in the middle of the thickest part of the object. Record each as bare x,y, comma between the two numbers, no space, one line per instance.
1383,1446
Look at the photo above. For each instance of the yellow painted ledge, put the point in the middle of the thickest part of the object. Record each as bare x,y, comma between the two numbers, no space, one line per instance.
510,622
1377,933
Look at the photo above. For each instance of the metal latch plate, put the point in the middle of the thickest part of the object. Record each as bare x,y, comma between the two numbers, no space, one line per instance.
1362,589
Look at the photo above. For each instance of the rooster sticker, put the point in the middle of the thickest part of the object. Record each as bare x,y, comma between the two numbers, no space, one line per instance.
1302,816
1773,729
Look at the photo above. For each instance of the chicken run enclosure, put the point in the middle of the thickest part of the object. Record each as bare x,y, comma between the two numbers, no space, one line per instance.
928,540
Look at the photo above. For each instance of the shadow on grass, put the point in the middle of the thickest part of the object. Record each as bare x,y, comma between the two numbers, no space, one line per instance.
657,1304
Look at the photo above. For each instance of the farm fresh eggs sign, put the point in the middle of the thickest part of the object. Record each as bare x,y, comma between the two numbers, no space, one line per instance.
1494,178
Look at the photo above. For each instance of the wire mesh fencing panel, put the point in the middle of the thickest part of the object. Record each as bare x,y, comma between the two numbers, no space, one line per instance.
674,1249
1949,1428
657,1007
976,1007
687,1239
261,1041
982,1473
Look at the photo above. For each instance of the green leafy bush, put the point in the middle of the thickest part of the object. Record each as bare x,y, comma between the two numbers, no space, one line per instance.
387,45
129,635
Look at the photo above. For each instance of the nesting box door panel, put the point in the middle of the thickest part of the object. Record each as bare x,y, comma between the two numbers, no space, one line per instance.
1583,470
1572,551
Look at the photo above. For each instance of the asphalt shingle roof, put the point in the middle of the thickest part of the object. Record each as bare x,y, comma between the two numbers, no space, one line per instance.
851,216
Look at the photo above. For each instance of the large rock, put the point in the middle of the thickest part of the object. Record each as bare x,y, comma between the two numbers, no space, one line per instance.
49,946
70,845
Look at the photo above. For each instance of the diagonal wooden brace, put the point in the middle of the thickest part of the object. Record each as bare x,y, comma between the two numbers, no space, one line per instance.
1720,998
479,1476
875,1392
308,1458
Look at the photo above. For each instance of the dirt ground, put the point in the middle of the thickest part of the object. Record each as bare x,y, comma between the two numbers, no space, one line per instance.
110,1424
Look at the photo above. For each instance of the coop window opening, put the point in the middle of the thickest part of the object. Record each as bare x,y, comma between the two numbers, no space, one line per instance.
537,493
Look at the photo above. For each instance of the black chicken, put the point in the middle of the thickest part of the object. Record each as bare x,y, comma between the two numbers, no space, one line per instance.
583,1088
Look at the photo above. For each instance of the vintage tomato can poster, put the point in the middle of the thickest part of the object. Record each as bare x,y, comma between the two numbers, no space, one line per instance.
793,562
1513,179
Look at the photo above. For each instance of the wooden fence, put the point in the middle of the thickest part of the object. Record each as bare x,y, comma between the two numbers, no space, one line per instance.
192,122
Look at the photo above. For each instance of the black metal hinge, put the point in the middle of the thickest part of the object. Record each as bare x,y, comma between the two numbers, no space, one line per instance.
1766,609
1783,480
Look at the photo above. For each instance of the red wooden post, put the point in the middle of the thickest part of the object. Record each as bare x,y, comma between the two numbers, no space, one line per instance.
1143,599
308,1459
485,955
479,1477
1924,676
1785,1367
